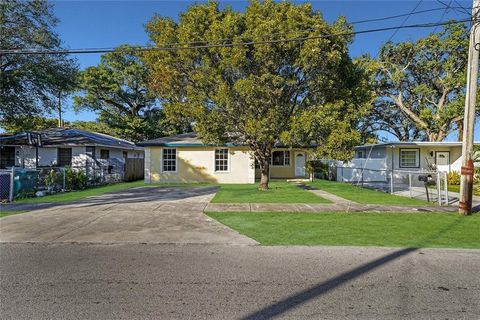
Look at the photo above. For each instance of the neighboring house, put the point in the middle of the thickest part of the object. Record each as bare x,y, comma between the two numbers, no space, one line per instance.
185,158
378,159
61,147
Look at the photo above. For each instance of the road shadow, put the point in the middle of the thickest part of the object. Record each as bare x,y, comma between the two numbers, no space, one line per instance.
322,288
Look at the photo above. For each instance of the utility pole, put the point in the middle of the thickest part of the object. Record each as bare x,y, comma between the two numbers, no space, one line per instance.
466,179
60,121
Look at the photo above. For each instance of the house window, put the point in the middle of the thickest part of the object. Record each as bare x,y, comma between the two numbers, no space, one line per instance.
221,159
90,151
281,158
169,160
64,157
7,157
104,154
409,158
360,154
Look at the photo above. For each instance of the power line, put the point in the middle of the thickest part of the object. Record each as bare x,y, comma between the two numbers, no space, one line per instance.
181,46
197,42
444,13
405,20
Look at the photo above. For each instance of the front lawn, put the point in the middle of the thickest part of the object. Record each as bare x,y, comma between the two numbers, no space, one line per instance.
456,188
279,192
78,195
356,229
363,195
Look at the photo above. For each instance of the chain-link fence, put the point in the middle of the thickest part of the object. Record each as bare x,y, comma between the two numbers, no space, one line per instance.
425,185
19,183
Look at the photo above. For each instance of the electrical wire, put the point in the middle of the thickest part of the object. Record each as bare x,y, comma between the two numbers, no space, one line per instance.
186,46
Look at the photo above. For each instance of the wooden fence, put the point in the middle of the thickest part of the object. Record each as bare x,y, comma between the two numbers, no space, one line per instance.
134,169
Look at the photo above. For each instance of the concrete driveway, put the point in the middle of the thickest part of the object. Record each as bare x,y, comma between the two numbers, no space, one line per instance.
138,215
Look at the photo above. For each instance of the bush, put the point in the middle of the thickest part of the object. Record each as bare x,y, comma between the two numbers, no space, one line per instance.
318,169
53,180
453,178
75,180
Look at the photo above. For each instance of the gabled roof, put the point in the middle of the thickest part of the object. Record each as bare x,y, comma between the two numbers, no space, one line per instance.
415,143
191,139
180,140
66,137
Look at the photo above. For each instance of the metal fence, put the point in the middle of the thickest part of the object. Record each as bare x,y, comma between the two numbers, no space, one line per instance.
425,185
18,183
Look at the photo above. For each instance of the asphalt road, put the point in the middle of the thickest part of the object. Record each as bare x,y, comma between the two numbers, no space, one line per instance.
135,281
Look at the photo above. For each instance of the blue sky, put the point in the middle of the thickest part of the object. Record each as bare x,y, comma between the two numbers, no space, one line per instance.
99,24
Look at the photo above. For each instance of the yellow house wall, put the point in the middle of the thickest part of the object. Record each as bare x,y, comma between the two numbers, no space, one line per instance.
197,164
285,172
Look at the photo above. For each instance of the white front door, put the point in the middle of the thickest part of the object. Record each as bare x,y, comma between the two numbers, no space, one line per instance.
442,160
299,164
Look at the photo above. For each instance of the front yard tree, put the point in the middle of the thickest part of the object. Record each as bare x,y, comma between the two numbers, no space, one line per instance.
296,92
421,85
117,90
30,84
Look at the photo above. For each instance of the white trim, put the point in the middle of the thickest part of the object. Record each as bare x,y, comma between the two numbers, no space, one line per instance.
296,153
215,162
281,165
176,160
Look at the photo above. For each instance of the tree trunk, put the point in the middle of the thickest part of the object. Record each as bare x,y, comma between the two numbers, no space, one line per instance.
460,130
264,175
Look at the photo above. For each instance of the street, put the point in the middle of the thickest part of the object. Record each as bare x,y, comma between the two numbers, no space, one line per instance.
197,281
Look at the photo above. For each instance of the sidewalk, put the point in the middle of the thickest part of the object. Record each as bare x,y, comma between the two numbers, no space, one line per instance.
338,207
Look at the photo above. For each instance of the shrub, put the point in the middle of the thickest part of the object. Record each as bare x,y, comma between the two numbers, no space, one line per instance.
53,180
75,180
453,178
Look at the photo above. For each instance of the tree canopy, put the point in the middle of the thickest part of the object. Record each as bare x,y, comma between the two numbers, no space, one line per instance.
30,84
117,90
296,92
421,85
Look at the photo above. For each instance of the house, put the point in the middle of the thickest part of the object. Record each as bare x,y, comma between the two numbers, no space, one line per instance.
376,161
61,147
186,158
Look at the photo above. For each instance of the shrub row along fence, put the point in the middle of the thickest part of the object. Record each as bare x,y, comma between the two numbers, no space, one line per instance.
20,183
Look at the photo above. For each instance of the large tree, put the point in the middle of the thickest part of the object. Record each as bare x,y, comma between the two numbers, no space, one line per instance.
421,85
30,84
297,92
117,90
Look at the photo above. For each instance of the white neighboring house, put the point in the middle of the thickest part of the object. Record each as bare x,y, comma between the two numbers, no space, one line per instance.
376,161
61,147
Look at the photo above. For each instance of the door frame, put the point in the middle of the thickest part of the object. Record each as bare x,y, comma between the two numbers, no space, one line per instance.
448,158
304,164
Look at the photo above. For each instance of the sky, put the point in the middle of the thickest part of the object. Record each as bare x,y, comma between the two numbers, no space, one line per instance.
100,24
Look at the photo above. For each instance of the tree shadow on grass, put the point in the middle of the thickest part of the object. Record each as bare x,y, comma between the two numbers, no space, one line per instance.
320,289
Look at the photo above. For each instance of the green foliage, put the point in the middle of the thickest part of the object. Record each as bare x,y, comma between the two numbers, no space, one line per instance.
27,123
453,178
53,180
75,179
294,92
117,90
318,169
30,84
421,85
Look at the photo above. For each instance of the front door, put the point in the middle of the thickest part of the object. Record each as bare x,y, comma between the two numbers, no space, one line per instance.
442,160
300,164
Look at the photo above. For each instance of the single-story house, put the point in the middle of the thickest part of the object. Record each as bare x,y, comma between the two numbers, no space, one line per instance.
61,147
421,155
186,158
374,162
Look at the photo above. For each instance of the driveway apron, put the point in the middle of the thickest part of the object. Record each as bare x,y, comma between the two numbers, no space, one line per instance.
138,215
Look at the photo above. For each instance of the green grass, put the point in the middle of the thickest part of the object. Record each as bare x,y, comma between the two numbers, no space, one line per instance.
78,195
456,188
363,195
279,192
5,213
356,229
